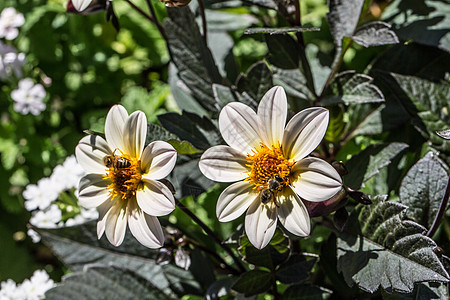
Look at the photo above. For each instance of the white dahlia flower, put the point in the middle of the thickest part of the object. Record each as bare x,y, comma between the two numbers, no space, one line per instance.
122,179
270,164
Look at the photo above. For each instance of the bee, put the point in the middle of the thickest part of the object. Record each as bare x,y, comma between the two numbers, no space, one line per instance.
117,162
269,191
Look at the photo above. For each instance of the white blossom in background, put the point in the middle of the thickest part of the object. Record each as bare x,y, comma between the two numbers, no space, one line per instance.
40,195
126,196
81,5
11,62
35,237
31,289
28,97
268,161
67,175
10,20
10,291
48,218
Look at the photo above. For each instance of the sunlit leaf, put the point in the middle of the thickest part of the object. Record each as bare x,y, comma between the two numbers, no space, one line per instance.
381,248
422,189
375,34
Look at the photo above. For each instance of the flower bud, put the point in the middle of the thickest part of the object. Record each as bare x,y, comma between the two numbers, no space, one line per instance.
86,7
317,209
175,3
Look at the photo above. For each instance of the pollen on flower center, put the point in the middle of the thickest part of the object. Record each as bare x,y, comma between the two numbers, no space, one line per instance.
125,175
265,163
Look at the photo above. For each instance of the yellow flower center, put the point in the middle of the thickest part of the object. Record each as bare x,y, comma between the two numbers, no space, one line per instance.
125,175
265,163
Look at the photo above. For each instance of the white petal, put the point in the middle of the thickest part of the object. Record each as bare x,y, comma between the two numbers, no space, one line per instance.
116,223
158,160
260,223
93,190
155,199
146,229
135,132
293,213
81,5
315,180
272,111
223,164
304,132
90,152
103,211
235,200
239,126
114,127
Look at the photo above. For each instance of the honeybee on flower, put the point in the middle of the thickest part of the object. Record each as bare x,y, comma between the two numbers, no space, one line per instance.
122,179
268,163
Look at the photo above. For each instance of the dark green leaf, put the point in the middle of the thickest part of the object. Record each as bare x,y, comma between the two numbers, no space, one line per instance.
349,87
425,290
293,81
381,247
280,30
78,246
336,126
414,59
375,34
427,102
100,282
427,21
256,82
194,62
253,282
157,133
319,64
283,51
182,94
343,18
422,189
295,270
306,292
270,256
368,163
184,147
201,132
381,119
187,178
225,95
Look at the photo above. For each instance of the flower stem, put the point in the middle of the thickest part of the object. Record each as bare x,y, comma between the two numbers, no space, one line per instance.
156,22
441,211
202,13
210,233
140,11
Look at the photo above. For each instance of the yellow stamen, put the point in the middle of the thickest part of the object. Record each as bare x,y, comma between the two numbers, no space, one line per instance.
267,162
125,181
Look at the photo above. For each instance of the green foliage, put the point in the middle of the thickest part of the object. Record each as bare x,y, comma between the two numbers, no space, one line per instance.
423,188
381,247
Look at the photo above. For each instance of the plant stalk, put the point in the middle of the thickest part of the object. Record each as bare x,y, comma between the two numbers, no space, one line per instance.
441,211
140,11
210,233
203,15
158,25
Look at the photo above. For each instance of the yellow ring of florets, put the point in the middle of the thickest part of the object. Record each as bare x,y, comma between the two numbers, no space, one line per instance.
124,181
265,163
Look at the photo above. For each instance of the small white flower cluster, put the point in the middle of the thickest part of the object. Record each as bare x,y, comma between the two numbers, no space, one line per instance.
40,198
11,62
10,21
28,97
30,289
